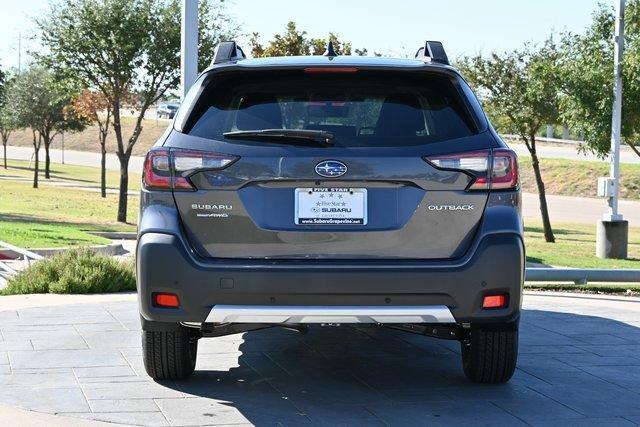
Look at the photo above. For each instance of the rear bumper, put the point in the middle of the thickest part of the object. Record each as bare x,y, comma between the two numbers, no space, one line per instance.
166,264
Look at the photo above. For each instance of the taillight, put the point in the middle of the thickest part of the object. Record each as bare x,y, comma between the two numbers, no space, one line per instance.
166,169
505,170
157,170
496,170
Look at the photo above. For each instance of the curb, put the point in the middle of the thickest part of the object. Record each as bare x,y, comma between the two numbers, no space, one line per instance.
111,249
115,235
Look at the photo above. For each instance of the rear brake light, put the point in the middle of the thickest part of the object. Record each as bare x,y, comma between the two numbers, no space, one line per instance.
497,170
505,170
321,70
166,169
157,170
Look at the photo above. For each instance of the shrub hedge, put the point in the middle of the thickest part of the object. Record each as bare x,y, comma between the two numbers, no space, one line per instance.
77,271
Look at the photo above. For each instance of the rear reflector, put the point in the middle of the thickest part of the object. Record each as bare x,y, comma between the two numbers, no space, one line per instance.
495,170
494,301
166,300
166,169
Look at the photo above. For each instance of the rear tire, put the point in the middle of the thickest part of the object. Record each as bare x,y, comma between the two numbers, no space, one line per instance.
169,355
489,356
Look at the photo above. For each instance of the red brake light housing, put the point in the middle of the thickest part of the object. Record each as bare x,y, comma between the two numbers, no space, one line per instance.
491,169
329,70
169,169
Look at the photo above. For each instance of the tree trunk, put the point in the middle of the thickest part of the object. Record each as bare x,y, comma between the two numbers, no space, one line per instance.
47,159
103,168
36,165
544,210
123,157
4,147
124,188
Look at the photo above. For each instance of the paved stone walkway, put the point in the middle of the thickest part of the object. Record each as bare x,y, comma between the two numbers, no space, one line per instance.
579,365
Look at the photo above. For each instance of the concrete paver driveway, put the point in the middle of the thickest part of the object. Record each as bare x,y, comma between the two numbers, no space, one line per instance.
579,364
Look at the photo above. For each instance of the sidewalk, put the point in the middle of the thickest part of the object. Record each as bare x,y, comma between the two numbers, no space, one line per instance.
578,365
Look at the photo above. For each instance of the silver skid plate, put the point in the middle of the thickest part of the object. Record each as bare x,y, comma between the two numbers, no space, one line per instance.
329,314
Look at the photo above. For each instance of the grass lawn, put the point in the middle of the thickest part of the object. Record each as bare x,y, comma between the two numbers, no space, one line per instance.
575,247
40,234
82,176
54,216
578,177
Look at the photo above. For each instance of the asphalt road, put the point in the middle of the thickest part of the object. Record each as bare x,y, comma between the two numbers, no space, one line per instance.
562,208
568,151
577,209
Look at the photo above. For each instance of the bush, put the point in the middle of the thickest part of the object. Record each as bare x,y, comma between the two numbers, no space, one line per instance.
77,271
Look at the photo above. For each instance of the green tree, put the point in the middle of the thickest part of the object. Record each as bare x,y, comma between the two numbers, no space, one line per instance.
586,66
6,115
295,43
522,88
118,47
38,100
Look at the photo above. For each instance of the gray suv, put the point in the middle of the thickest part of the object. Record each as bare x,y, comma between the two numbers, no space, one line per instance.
331,190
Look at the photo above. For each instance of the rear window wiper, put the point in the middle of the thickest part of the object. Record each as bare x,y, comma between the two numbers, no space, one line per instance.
319,136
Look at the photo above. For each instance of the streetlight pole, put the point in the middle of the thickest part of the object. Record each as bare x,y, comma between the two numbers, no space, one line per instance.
613,231
188,45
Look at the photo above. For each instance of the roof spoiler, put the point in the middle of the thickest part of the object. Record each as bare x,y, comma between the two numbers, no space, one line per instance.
226,52
434,51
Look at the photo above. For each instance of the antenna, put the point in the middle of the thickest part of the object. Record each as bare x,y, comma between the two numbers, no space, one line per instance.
226,52
330,50
434,51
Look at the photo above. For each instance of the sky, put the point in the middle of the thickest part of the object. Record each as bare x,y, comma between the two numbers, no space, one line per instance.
394,28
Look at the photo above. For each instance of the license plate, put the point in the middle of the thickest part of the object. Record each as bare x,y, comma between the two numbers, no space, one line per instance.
331,206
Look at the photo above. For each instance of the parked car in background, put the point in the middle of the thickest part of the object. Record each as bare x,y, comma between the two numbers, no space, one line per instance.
166,110
331,190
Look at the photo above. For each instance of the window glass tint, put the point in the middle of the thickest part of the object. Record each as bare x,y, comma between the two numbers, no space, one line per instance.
361,109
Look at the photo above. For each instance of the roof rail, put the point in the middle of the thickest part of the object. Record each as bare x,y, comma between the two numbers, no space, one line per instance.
434,51
227,51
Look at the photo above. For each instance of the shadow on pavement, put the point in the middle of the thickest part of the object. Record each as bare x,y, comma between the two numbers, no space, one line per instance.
571,367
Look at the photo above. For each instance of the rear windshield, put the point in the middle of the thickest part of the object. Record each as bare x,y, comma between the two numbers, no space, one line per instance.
361,109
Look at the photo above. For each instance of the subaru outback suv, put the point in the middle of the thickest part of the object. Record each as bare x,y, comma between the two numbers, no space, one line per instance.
330,190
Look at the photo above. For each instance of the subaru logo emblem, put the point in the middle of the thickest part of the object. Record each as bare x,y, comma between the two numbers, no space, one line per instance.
331,168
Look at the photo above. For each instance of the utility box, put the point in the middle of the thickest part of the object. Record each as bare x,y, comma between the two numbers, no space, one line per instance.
606,187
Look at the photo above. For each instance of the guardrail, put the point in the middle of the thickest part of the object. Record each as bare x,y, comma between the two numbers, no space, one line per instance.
581,276
27,256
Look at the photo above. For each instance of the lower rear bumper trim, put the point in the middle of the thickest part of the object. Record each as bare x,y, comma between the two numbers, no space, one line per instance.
329,314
